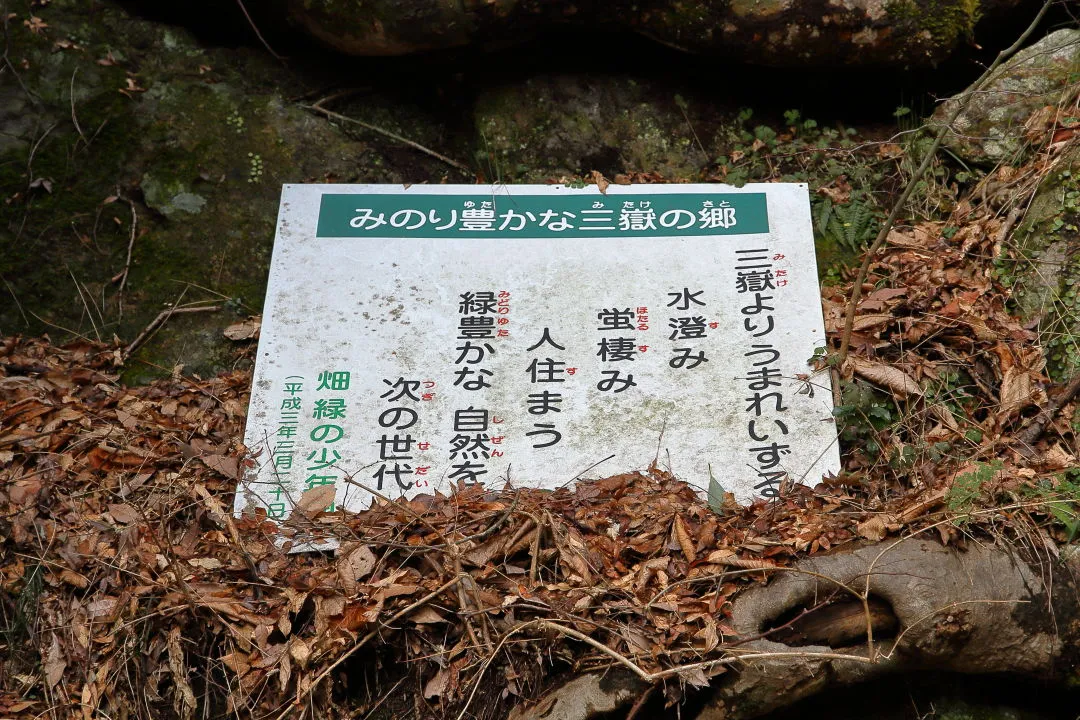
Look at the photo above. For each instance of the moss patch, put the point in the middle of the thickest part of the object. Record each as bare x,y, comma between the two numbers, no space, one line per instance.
193,143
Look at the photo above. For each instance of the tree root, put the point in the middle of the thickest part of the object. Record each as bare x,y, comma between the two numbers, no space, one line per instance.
980,610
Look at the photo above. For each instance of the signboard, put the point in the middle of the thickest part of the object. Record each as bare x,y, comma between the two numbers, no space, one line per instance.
423,338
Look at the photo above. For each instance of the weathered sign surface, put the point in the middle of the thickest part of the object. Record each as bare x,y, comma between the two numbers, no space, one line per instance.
423,338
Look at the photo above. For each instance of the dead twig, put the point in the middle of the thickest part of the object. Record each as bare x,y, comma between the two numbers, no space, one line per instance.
466,590
16,299
651,678
498,523
86,306
123,277
160,320
257,33
1038,424
318,108
534,551
74,117
367,638
928,159
640,702
33,151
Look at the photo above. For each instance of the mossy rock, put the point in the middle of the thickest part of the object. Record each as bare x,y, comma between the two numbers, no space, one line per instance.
1043,266
553,126
993,127
134,127
132,121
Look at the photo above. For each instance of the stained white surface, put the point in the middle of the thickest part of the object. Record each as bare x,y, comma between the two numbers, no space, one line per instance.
387,308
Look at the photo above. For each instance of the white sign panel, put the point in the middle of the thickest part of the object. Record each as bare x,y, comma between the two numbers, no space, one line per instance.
420,339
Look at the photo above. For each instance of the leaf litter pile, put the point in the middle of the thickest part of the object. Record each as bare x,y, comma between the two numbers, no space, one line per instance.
129,590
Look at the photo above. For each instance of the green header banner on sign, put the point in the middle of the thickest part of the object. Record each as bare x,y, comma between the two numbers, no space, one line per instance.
539,216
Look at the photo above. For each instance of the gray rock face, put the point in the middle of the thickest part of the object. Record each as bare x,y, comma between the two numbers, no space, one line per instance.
564,125
994,125
1042,264
769,32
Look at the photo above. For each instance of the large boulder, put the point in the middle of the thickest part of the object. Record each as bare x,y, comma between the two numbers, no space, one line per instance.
999,122
140,169
768,32
551,126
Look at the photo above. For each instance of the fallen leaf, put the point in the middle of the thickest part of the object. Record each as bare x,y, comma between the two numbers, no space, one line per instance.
839,195
695,677
124,513
682,535
426,616
224,464
887,376
720,555
299,651
45,184
206,563
865,322
873,529
73,578
245,330
437,685
354,565
184,697
316,500
601,182
36,25
54,663
1016,390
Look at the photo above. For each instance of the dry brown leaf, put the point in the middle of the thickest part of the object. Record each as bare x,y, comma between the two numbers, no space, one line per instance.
299,651
315,500
353,565
129,421
1058,458
36,25
124,513
865,322
437,685
682,535
886,294
944,414
873,529
224,464
886,376
839,195
54,663
245,330
695,677
1016,390
426,616
206,563
720,555
73,578
728,558
601,182
708,634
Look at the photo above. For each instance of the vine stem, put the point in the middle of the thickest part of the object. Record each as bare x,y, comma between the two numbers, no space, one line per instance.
901,202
